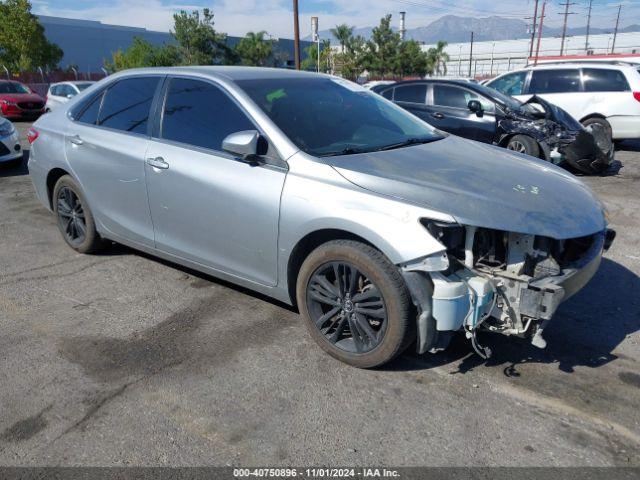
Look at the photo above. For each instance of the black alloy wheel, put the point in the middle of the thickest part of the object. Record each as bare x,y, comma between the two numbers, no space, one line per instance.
71,217
347,307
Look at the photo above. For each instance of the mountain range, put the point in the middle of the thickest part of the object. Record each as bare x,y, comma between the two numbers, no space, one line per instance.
453,28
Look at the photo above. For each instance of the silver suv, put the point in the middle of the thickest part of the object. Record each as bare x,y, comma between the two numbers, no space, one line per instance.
307,188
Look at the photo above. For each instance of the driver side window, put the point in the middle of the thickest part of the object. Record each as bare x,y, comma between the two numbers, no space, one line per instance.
458,97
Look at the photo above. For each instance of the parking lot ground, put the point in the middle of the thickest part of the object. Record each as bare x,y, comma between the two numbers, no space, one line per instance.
123,359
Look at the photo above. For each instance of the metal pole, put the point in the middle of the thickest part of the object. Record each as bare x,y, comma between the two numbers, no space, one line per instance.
492,53
566,14
615,32
471,55
403,28
544,4
296,35
460,60
533,30
586,42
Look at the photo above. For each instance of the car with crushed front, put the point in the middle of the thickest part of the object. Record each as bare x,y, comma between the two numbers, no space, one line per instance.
307,188
535,127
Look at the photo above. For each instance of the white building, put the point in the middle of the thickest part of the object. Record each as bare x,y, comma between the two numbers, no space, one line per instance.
494,57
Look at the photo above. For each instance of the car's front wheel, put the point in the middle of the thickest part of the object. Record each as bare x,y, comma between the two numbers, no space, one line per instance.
355,303
524,144
75,220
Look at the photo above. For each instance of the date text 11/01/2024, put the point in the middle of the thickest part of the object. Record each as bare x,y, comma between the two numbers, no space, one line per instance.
316,472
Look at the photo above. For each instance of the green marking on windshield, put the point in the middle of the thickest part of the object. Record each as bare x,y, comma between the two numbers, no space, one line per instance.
275,95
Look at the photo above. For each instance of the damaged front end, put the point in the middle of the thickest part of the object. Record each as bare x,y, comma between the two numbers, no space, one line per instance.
562,138
497,281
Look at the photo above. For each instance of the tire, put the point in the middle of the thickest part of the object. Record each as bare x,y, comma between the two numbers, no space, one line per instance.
524,144
74,218
382,318
602,133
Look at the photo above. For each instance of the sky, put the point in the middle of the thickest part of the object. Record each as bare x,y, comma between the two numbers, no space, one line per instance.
236,17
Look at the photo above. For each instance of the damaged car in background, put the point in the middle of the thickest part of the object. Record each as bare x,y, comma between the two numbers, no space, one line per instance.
384,231
477,112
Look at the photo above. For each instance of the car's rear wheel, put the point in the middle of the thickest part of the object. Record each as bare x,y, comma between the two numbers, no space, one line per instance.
602,134
355,303
75,220
524,144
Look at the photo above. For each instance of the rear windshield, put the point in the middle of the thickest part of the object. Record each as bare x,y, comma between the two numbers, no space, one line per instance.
13,87
326,116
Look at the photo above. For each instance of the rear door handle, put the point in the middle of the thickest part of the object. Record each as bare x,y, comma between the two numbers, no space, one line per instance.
437,115
76,140
157,162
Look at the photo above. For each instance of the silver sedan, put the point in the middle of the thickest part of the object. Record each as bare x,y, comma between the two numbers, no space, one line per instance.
384,231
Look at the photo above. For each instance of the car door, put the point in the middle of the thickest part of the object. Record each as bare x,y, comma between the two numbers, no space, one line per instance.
449,109
105,146
609,91
209,206
413,98
562,87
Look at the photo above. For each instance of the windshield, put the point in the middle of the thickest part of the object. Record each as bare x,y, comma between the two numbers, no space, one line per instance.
82,86
13,87
330,116
506,100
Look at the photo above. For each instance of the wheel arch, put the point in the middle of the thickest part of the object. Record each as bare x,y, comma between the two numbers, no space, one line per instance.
308,244
52,178
594,115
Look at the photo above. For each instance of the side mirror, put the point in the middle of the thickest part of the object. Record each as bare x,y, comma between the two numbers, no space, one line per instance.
475,106
70,95
247,144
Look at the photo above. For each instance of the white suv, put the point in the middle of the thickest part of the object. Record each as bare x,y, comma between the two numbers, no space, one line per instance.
62,92
604,94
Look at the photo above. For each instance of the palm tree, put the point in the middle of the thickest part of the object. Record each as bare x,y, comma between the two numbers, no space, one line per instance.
254,49
439,57
342,33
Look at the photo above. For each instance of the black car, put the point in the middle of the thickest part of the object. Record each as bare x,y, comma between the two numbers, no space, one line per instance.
477,112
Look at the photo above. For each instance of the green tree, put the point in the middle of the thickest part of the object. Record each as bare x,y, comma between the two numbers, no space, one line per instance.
198,41
141,53
411,60
23,45
383,48
439,58
342,34
254,49
311,60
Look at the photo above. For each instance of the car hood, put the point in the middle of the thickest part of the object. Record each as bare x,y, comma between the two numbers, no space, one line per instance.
480,185
21,97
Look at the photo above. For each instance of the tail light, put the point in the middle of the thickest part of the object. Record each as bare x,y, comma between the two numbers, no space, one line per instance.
636,95
32,135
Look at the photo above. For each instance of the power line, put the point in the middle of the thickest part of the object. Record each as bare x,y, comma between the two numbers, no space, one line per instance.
615,33
586,42
448,8
566,14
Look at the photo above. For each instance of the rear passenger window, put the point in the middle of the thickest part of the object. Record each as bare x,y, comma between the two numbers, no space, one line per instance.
604,80
127,104
555,81
201,114
411,94
90,114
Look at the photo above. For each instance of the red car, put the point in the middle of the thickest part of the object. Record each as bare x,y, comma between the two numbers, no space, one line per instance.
17,101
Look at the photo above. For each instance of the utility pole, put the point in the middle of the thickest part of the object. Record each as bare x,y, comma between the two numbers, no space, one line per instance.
403,25
566,14
544,4
615,32
533,29
316,37
586,42
296,35
471,54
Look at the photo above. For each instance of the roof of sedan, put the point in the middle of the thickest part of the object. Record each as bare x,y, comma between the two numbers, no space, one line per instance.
230,73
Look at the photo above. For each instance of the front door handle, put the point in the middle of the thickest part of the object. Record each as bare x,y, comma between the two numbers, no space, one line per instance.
76,140
438,115
158,162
